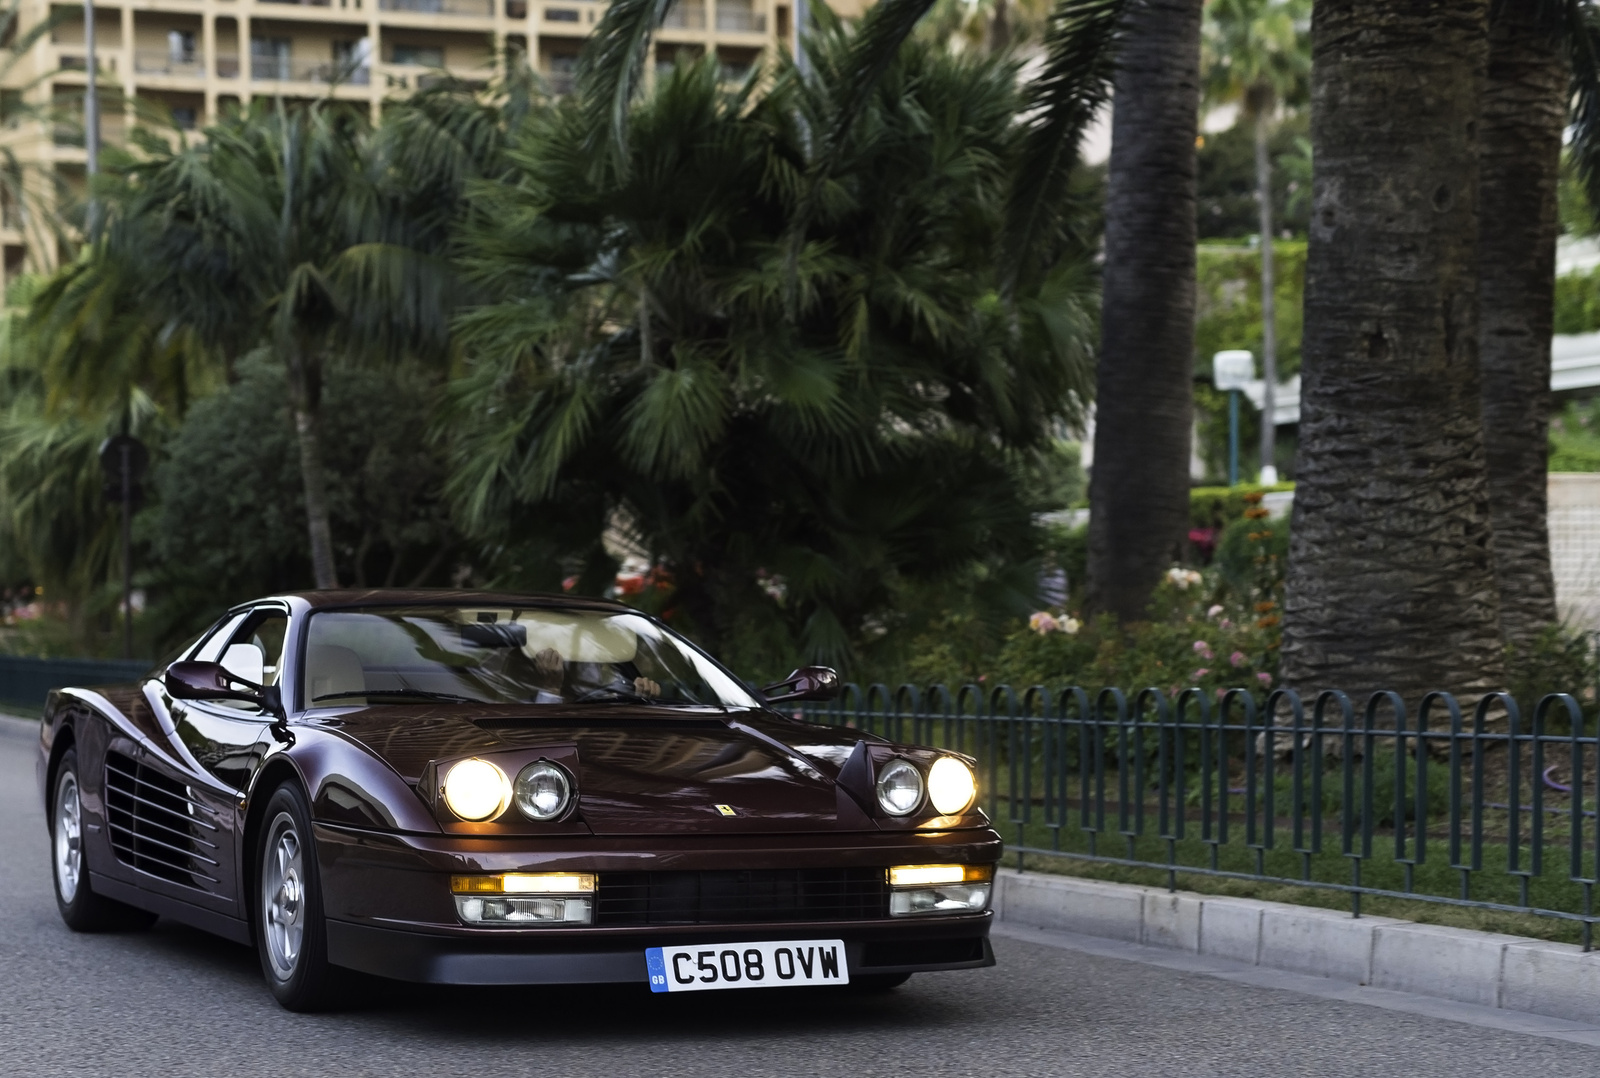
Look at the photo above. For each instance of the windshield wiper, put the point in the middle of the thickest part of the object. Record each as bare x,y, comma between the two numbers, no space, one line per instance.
392,694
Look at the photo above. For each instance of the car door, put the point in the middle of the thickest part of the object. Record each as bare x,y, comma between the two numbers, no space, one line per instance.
192,802
166,828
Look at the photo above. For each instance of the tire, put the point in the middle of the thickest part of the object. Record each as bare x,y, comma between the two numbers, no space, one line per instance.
291,935
80,907
872,983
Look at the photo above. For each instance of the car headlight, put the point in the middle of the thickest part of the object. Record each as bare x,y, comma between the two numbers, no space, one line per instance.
476,790
899,787
543,791
951,786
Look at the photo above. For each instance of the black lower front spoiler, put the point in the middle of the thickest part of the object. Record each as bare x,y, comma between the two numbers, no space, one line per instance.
438,959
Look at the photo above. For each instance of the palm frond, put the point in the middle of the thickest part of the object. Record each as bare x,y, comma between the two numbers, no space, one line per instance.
1063,100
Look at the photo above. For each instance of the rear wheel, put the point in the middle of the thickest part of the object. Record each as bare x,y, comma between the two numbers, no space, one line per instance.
291,936
81,908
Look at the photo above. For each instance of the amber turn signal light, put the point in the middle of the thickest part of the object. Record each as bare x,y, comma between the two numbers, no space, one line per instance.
525,883
931,875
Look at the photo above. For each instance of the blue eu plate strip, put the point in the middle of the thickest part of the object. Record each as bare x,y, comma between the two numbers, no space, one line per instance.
657,967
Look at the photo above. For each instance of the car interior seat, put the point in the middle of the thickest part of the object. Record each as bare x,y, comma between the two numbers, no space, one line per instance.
333,671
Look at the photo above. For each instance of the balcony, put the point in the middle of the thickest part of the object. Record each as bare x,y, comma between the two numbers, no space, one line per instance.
289,69
481,9
740,19
685,17
163,62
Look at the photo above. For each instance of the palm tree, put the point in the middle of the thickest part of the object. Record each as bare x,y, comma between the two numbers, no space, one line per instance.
1523,122
293,229
1391,576
1256,55
789,419
1139,485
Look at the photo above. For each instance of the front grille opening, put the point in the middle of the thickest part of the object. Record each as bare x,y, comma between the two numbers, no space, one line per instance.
922,952
156,827
742,897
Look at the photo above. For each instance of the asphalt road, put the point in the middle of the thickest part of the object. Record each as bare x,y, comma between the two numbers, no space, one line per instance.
175,1002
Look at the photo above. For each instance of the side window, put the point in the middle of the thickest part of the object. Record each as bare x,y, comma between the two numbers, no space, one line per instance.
211,650
254,651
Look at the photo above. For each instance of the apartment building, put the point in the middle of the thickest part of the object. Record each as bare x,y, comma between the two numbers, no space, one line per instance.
198,57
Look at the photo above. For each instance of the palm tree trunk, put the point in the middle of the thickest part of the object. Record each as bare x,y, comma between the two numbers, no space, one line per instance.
305,392
1269,313
1391,575
1144,418
1524,113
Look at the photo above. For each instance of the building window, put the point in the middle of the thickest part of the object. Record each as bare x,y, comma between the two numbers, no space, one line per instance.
180,46
269,57
560,14
184,117
419,55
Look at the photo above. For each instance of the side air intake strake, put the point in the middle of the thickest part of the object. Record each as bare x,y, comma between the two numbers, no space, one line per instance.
157,827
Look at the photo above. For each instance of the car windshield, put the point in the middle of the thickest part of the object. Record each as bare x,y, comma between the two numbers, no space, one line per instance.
506,655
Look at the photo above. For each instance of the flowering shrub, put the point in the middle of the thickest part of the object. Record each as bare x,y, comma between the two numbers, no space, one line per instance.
1192,623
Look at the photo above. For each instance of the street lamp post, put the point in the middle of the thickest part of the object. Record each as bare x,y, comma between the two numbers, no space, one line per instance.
1230,370
91,112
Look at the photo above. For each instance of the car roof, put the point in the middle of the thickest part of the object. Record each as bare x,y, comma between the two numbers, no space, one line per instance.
346,598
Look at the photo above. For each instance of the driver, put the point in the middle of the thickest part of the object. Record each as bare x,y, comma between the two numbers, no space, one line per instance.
550,676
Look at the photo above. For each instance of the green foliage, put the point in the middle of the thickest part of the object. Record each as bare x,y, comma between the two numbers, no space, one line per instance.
1226,181
1578,302
1252,556
1217,507
1052,477
1559,659
1180,648
793,433
235,459
1575,438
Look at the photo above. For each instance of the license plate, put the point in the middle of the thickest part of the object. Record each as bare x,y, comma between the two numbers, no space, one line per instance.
707,967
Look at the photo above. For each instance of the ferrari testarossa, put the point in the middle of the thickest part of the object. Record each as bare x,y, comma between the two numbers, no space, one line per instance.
476,788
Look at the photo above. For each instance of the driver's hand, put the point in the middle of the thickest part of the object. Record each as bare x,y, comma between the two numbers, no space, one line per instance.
548,661
645,687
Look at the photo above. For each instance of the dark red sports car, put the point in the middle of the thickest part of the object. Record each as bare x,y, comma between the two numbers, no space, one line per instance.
476,788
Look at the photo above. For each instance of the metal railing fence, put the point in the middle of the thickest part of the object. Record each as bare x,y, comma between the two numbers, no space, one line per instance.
1486,805
25,681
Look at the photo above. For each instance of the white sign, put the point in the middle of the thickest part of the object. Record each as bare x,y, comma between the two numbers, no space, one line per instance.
1233,369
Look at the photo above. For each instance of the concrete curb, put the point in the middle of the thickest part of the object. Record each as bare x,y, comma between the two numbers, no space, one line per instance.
1483,968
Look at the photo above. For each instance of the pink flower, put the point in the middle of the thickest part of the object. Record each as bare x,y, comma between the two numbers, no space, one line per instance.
1264,677
1042,623
1203,649
1214,611
1237,658
1224,624
1200,673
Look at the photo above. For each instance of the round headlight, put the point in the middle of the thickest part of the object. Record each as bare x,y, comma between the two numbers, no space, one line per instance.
951,786
899,787
542,791
476,790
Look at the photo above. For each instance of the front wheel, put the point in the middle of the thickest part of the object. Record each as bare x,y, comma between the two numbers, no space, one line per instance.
290,934
81,908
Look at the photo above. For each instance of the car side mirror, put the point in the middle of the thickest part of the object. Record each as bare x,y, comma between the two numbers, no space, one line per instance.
806,683
212,681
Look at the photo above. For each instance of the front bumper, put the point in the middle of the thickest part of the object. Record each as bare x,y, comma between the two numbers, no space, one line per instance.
870,948
389,910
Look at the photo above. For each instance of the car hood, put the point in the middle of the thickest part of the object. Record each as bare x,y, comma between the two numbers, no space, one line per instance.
643,770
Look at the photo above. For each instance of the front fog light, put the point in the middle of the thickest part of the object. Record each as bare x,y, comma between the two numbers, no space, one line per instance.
525,899
952,898
520,911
